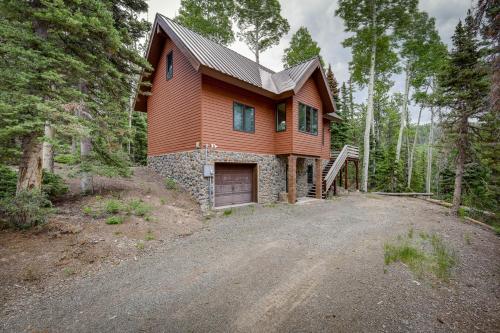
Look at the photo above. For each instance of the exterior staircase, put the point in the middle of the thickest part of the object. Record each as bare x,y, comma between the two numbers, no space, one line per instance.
331,170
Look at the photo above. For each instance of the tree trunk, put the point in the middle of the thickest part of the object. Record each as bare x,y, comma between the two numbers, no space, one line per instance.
30,166
48,149
369,110
412,152
428,173
257,56
459,171
86,180
404,110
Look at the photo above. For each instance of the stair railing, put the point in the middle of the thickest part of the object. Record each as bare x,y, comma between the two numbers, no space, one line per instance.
335,168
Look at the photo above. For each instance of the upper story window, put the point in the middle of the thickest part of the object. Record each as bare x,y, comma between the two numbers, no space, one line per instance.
280,117
170,65
243,118
308,119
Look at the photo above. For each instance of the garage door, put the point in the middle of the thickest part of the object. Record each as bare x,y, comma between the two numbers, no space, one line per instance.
234,184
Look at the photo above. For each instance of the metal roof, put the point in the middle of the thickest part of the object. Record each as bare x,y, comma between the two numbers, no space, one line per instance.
229,62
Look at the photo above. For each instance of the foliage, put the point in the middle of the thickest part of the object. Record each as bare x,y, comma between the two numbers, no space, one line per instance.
69,159
26,209
8,181
210,18
72,64
302,47
140,138
464,86
53,185
429,254
170,184
116,219
261,24
138,208
113,206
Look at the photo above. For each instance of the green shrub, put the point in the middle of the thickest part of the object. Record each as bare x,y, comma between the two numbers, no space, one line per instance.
8,182
115,220
67,159
53,185
138,208
26,209
113,206
228,212
170,184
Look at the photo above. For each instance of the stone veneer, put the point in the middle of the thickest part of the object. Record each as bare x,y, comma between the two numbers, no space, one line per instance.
187,169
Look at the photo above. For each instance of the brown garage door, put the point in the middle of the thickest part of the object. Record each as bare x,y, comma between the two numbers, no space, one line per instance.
234,184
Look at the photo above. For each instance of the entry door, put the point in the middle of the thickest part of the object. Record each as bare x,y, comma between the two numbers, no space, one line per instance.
234,184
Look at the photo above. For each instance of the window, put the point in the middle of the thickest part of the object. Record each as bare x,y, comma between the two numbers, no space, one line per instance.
308,119
280,117
243,118
170,65
310,174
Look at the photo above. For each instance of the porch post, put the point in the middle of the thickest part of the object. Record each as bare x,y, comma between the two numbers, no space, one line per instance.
335,186
318,174
346,180
292,179
357,175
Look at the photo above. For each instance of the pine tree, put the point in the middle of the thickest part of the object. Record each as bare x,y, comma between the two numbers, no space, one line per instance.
210,18
333,85
261,24
302,47
340,130
62,47
465,86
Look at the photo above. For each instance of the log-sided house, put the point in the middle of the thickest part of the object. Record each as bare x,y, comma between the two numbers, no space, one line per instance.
231,131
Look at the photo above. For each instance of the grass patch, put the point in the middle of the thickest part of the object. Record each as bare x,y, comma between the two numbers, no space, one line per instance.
444,258
68,271
149,236
424,256
170,184
87,210
113,206
138,208
115,219
467,238
140,245
228,212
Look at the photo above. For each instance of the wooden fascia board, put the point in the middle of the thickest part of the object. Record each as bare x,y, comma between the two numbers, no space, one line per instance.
180,44
242,84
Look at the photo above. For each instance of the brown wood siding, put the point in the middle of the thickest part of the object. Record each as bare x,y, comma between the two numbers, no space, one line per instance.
283,140
174,108
303,143
217,118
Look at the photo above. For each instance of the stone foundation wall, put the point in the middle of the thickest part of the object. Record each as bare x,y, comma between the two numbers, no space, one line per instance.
186,168
302,164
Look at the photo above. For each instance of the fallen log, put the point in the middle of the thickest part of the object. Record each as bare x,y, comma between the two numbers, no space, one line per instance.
410,194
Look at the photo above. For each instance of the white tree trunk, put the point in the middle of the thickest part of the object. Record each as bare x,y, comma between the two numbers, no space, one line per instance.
404,110
428,173
48,149
369,110
414,145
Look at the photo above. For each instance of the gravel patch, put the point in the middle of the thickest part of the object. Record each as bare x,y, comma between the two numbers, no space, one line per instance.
313,267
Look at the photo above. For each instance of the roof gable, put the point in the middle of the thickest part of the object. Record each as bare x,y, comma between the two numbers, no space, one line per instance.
214,59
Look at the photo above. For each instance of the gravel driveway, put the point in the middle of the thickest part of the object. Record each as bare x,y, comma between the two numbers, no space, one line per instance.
303,268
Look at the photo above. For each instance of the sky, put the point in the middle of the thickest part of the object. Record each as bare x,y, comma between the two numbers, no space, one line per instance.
328,31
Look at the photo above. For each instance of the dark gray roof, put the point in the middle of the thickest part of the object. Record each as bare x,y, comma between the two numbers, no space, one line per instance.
229,62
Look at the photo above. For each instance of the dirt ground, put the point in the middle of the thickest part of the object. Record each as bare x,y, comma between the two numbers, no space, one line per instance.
314,267
73,244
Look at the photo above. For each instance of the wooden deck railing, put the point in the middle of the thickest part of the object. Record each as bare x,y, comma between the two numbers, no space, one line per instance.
340,157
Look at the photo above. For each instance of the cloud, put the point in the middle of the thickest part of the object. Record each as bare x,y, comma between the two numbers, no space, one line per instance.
328,30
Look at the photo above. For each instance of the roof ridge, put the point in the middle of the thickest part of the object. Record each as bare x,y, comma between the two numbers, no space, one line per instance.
211,41
302,62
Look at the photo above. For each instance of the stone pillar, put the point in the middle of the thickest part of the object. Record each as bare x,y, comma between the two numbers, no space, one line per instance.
292,179
318,174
